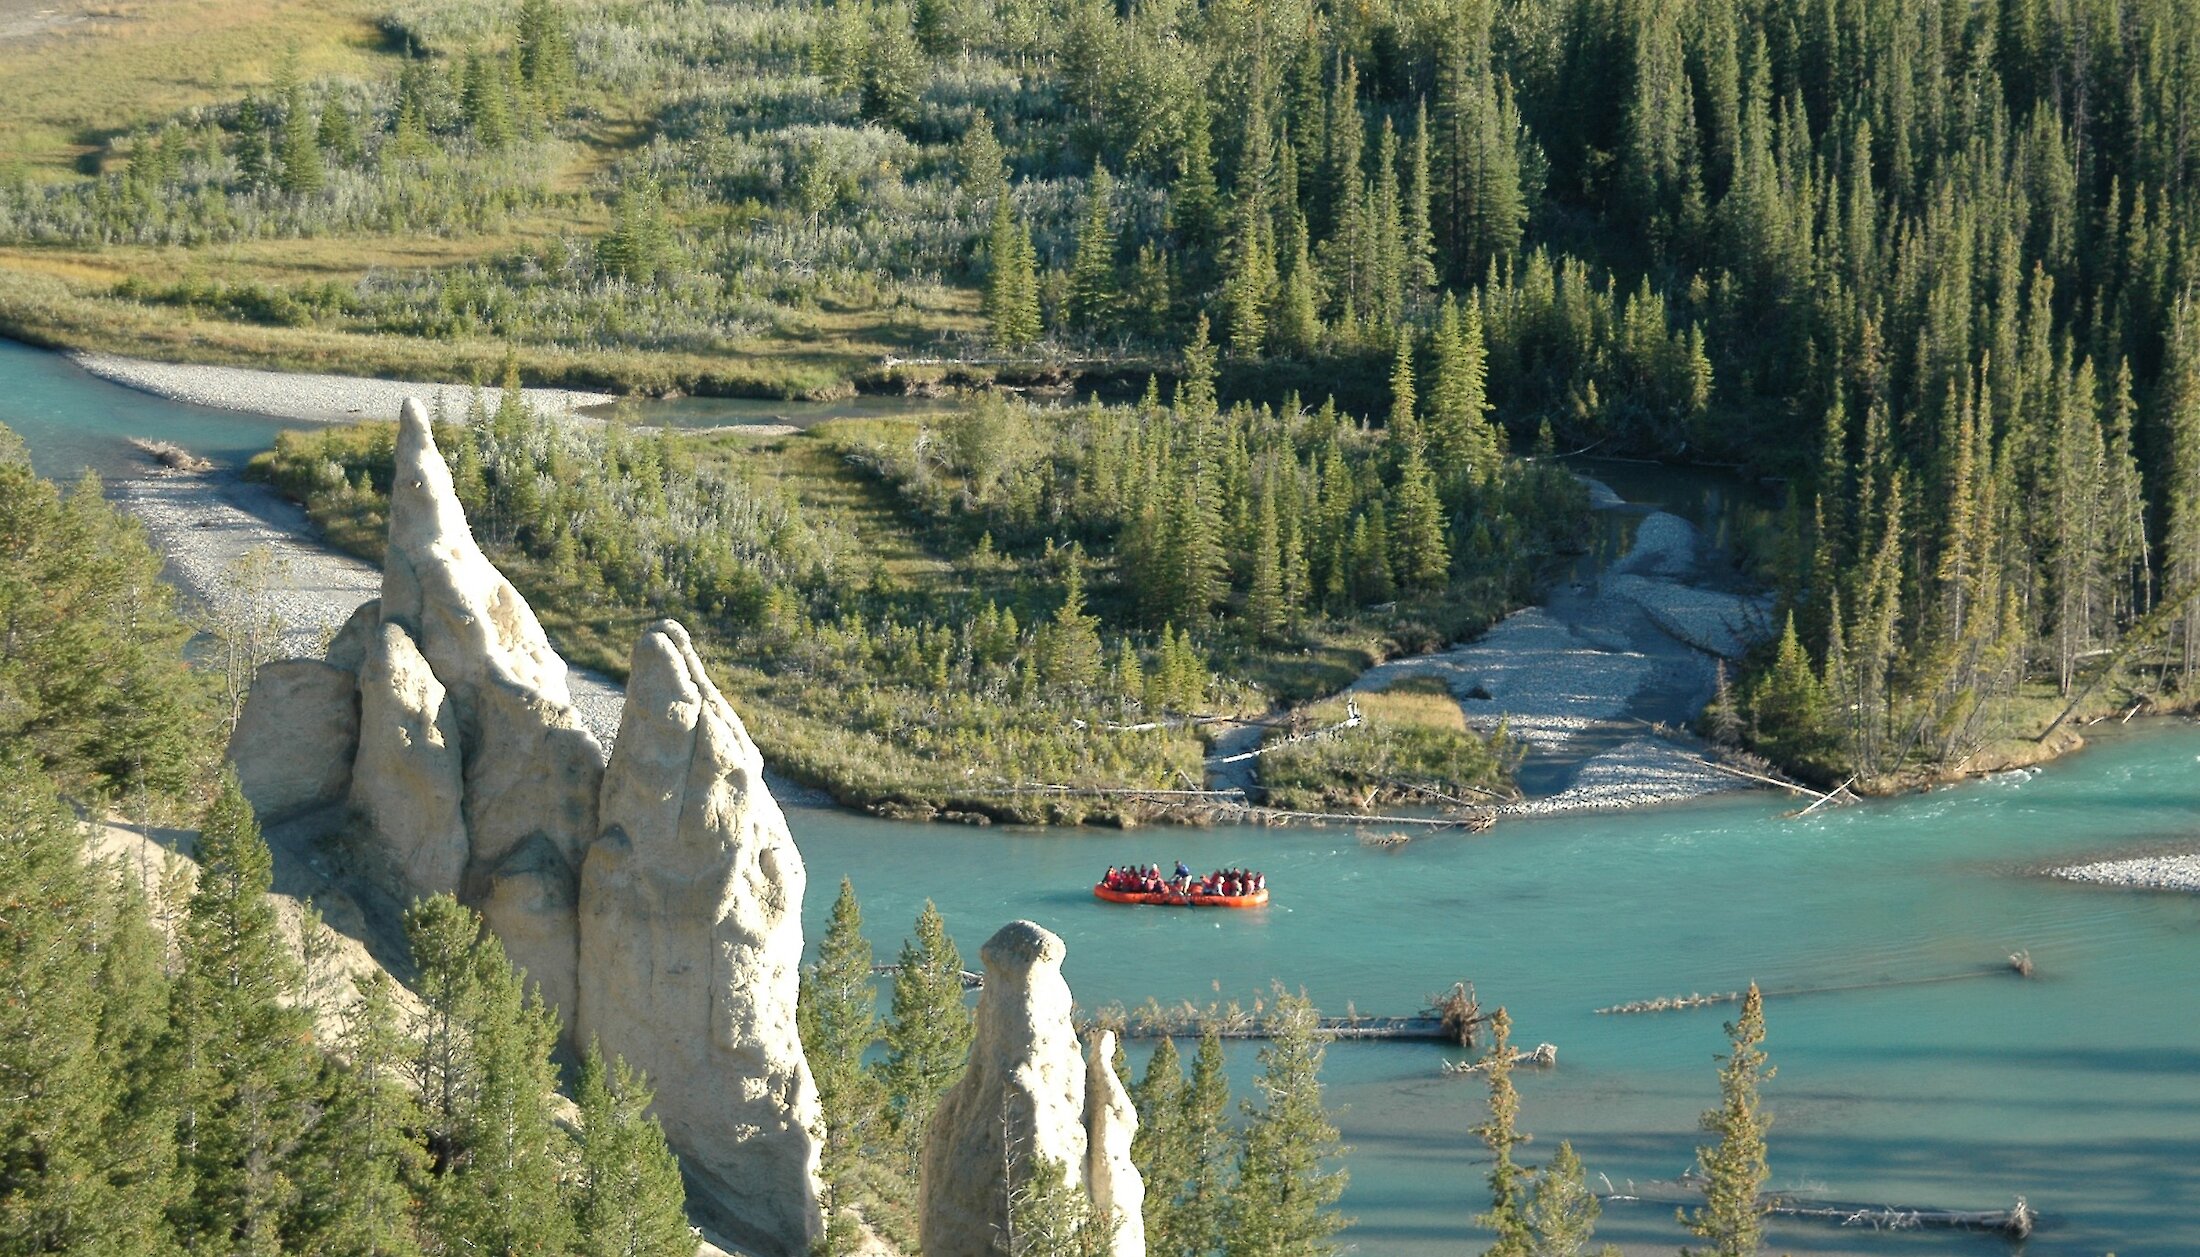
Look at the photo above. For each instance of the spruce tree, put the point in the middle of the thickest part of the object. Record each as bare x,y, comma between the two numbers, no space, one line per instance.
365,1159
501,1190
1161,1149
1507,1215
628,1201
1732,1218
978,161
1288,1179
1194,198
62,1088
1093,291
301,148
1265,609
928,1031
1562,1214
1420,558
838,1016
241,1043
1203,1211
1012,284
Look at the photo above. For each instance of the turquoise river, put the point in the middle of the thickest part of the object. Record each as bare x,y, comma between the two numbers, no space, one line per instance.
2078,1089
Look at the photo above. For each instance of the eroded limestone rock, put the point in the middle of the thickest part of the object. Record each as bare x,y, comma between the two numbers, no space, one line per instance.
348,649
294,740
1019,1104
690,947
408,783
1111,1178
470,623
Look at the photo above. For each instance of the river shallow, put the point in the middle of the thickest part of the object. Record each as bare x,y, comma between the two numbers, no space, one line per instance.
2079,1089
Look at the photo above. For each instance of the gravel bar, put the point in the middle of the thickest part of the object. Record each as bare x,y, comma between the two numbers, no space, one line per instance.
1578,679
2163,872
205,524
306,398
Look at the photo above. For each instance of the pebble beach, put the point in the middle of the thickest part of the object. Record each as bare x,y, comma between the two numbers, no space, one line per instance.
2161,872
1580,679
306,398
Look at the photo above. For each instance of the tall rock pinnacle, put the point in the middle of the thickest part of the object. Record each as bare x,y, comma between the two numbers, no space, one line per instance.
1020,1103
691,947
532,773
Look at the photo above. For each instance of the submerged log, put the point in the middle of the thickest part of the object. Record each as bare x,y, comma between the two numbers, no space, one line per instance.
2020,964
1545,1055
1450,1019
2017,1222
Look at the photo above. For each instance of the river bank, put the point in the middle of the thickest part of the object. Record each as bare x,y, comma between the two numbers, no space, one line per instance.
207,524
305,397
1595,681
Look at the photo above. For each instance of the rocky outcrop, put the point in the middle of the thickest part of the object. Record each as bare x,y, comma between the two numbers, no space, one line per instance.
1111,1178
655,902
1022,1102
690,945
294,740
471,624
408,784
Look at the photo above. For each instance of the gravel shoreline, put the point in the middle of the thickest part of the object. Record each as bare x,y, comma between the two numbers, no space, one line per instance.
2163,872
303,397
205,523
1580,679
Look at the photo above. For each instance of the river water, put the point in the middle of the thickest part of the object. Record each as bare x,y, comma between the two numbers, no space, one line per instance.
2079,1089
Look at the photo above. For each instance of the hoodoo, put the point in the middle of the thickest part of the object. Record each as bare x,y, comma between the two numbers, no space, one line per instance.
442,716
1111,1122
532,772
1021,1104
691,946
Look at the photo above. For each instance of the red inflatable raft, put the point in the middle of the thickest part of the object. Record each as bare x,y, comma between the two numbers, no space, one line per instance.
1170,899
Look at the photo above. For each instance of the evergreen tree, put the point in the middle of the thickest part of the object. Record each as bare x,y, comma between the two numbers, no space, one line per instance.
1012,284
838,1016
1562,1214
1420,559
1161,1149
241,1044
1071,646
1283,1205
486,1079
1195,199
63,1089
1202,1216
483,103
2181,423
255,157
1732,1217
545,53
1265,609
1093,290
1509,1201
301,148
928,1030
979,161
369,1163
337,133
628,1197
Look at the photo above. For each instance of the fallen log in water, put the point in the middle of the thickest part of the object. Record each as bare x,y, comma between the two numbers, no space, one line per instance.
2017,1222
2019,963
1544,1055
970,981
1451,1018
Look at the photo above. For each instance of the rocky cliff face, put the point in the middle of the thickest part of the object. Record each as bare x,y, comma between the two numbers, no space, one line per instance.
1022,1103
442,716
691,946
